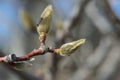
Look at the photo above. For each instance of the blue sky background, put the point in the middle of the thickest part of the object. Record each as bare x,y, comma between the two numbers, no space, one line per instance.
8,17
64,7
115,6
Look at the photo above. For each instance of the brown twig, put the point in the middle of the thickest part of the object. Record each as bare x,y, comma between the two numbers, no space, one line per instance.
13,58
35,52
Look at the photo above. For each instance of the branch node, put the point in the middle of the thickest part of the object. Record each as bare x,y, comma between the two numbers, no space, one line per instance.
10,58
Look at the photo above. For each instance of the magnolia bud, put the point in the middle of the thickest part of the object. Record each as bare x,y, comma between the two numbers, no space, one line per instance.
27,21
46,20
68,48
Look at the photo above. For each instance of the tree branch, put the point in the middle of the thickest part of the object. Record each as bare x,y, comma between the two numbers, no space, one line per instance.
12,58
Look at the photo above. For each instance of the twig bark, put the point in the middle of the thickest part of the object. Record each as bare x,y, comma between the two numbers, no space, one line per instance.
13,58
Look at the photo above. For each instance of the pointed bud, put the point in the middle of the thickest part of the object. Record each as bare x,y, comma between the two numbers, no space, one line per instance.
27,21
46,20
68,48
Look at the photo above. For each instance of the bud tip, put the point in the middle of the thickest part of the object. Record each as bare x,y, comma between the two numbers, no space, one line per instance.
83,40
50,7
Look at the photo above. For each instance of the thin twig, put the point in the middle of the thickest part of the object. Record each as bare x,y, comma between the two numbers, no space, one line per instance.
13,58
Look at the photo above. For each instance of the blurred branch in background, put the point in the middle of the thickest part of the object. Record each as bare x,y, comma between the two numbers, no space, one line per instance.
79,14
98,18
115,20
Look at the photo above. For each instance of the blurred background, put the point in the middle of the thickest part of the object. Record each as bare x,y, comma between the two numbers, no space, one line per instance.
98,21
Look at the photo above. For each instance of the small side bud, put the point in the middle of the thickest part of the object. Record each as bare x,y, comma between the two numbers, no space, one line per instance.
45,21
68,48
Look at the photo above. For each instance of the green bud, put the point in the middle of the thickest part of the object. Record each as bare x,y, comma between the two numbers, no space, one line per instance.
68,48
46,20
